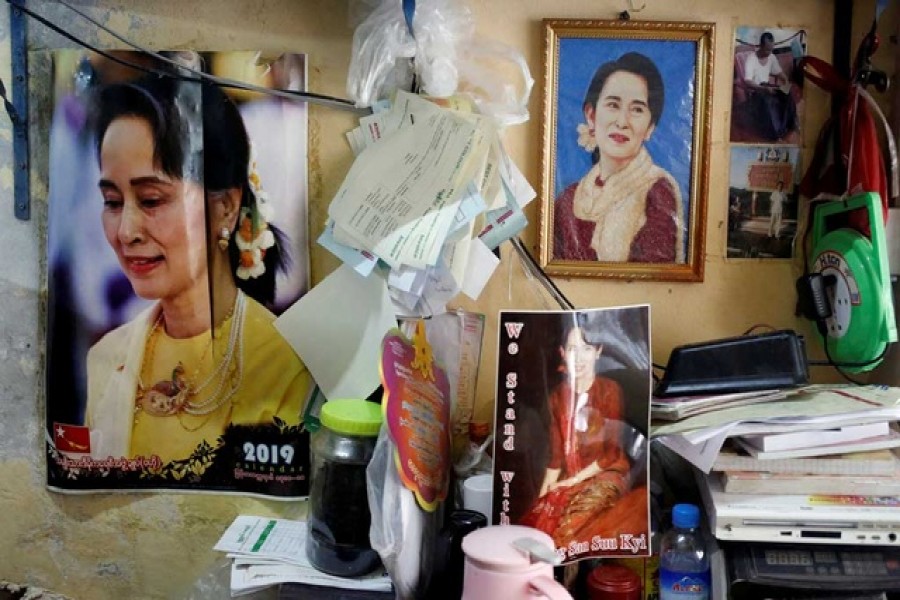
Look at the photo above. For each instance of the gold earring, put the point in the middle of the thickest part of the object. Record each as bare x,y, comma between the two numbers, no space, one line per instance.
224,236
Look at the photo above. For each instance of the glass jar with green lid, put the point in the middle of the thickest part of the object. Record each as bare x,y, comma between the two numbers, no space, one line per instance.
339,519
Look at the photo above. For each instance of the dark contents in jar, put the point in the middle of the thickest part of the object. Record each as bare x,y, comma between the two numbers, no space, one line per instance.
339,521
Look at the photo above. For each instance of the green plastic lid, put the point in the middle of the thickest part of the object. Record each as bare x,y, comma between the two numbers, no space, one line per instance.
352,417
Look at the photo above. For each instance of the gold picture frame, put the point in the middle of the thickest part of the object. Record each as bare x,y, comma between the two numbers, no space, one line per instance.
640,214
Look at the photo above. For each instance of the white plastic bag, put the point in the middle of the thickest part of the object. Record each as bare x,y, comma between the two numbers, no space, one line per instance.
382,51
441,55
497,78
401,532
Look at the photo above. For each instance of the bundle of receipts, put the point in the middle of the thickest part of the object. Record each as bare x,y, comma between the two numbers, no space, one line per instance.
430,195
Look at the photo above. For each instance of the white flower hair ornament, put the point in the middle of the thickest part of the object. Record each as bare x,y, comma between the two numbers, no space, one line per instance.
252,239
263,206
253,235
586,137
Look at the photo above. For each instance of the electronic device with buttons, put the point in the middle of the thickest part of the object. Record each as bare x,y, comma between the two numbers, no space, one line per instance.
800,519
761,570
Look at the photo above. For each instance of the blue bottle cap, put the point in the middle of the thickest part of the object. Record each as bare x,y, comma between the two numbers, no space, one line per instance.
685,516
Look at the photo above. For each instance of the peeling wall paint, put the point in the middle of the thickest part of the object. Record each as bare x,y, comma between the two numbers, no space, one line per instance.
155,546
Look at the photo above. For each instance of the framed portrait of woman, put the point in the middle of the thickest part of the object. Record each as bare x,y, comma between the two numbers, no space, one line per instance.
625,148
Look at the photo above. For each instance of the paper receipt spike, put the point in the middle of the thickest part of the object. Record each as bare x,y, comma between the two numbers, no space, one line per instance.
536,551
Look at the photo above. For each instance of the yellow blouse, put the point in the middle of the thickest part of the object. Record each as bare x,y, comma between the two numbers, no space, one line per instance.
271,382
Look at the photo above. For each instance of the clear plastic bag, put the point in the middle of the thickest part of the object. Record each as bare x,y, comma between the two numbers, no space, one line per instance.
442,28
441,55
401,532
383,49
497,78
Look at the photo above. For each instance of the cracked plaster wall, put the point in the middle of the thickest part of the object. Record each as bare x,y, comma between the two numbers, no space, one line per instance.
154,546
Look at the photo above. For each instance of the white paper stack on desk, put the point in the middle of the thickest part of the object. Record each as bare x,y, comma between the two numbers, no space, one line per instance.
268,552
821,412
680,407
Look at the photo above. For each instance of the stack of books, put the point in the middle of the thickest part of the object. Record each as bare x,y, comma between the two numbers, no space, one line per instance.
859,459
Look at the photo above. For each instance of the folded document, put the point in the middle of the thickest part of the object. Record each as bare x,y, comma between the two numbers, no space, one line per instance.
269,552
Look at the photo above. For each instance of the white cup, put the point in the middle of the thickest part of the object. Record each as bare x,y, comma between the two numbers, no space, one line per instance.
478,491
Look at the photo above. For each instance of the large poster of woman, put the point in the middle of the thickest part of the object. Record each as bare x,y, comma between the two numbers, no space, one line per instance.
571,450
176,232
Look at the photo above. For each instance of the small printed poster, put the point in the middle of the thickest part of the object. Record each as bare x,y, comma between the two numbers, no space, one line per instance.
177,230
572,415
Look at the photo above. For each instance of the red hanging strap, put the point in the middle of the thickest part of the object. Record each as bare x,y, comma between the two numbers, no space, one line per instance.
824,75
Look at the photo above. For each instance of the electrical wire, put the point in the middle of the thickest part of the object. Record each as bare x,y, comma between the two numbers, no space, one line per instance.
839,369
540,274
311,97
838,366
756,326
832,363
779,42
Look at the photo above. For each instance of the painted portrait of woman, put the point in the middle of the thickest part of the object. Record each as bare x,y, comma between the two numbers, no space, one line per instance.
625,148
625,208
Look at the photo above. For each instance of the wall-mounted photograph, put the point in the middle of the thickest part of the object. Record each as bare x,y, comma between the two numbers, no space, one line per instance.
762,201
767,95
625,148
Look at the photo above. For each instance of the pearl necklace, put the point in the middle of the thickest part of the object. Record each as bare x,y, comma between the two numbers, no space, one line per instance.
167,398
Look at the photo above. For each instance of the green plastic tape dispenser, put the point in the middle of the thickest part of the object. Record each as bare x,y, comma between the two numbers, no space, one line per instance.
862,322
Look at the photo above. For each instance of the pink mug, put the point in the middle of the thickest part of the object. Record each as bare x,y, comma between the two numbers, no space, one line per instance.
496,569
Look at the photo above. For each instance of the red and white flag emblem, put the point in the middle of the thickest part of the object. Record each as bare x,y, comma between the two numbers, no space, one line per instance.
72,438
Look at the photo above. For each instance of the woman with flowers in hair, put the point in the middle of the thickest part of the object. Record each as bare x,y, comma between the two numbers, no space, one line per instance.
189,226
588,468
626,208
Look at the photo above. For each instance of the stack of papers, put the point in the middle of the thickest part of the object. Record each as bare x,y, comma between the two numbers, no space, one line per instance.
851,474
681,407
430,195
267,552
818,407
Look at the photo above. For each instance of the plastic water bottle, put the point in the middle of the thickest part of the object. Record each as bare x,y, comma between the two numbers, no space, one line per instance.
683,561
